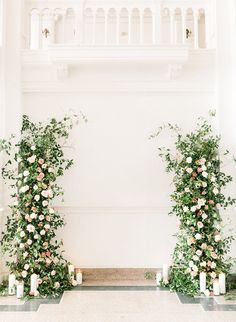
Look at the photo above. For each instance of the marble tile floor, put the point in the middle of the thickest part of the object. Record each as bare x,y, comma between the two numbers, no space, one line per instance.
118,304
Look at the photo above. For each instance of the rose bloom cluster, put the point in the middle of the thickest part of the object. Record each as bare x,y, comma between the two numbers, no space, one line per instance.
36,190
200,209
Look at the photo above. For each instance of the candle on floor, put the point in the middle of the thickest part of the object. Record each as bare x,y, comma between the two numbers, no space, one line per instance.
20,290
71,271
165,272
33,283
79,277
12,284
202,282
222,283
158,278
216,287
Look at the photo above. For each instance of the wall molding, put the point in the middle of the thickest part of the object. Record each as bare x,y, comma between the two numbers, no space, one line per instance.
163,86
76,210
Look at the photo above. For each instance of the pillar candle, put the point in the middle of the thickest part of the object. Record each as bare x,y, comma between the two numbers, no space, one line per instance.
79,277
216,287
165,272
33,283
202,282
11,284
20,290
222,283
158,278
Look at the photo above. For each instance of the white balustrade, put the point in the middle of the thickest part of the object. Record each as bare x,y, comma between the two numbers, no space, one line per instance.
44,32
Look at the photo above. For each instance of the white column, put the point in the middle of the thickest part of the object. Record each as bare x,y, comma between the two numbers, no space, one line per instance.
64,27
183,13
118,28
196,17
80,25
207,29
154,27
141,27
106,27
172,27
45,26
34,30
94,27
159,24
129,27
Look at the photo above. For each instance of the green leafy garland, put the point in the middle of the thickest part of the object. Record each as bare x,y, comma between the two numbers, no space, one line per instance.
197,198
29,237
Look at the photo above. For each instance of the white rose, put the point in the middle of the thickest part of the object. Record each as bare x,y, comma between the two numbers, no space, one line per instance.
33,147
50,169
200,224
25,254
33,215
217,238
30,228
37,197
195,258
22,234
35,187
57,285
215,191
29,242
193,208
74,283
213,179
203,264
194,268
36,236
198,236
185,209
44,203
199,252
191,263
189,160
32,159
204,167
41,217
26,267
51,211
53,273
213,265
44,193
47,226
50,193
204,174
189,170
21,246
42,232
202,161
187,190
204,184
204,216
24,274
26,173
213,275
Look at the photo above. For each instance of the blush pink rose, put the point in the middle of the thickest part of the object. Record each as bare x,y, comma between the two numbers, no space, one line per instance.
41,161
40,176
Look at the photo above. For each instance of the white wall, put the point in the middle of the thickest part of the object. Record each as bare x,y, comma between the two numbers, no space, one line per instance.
117,194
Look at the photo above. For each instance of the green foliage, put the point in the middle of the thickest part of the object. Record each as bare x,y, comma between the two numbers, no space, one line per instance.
30,235
198,195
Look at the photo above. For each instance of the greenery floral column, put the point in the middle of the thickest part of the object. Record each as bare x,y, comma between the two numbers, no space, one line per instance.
197,198
30,234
